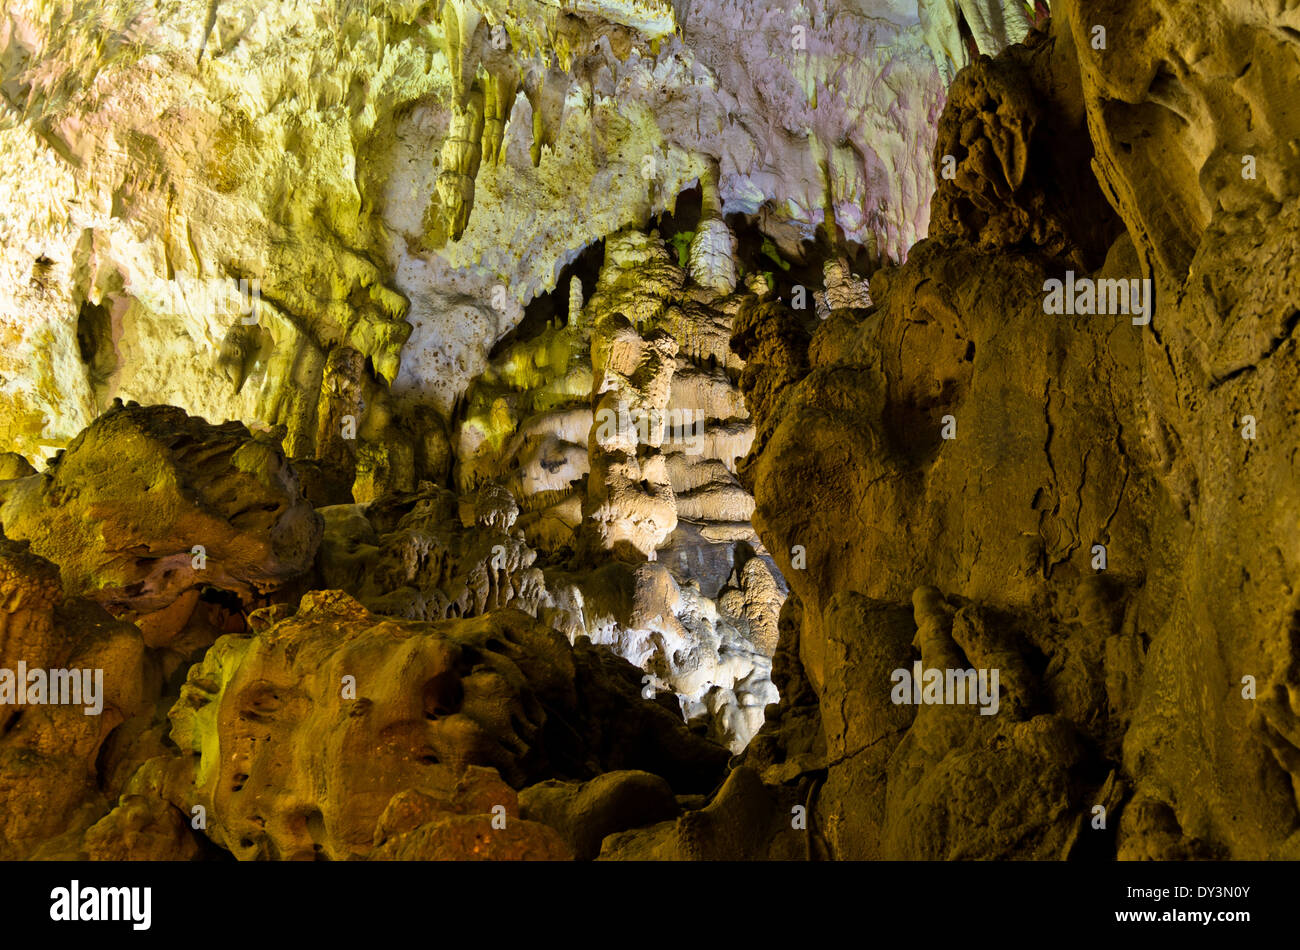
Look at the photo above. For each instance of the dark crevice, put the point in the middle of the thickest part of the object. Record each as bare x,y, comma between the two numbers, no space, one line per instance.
1288,330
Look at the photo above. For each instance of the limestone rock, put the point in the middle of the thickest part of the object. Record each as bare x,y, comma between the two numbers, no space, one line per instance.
745,820
657,437
844,290
622,551
141,828
149,503
454,151
1004,179
383,707
411,556
13,465
685,643
52,743
585,814
414,556
1058,478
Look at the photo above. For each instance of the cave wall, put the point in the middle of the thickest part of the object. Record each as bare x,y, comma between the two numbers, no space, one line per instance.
1153,675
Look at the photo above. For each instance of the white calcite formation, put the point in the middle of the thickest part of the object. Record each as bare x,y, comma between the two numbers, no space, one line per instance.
704,650
635,398
712,253
427,557
619,433
989,25
320,217
844,289
400,177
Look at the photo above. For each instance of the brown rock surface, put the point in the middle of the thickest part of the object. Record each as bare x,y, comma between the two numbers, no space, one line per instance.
586,813
148,503
333,730
950,473
52,747
962,439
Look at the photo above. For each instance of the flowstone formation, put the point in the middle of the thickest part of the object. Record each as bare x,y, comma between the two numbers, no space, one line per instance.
619,427
257,714
319,221
451,718
960,31
149,505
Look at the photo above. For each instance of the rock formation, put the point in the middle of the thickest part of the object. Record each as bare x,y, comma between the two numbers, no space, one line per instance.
149,505
456,147
1044,485
455,716
70,741
619,432
648,430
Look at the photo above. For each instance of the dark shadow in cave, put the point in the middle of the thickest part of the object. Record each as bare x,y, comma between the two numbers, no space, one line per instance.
95,347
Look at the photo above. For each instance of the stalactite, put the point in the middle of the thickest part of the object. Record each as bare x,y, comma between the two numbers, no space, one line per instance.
712,261
499,90
461,153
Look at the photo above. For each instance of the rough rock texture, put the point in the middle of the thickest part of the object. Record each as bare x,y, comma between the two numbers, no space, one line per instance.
411,556
149,503
1010,173
958,31
948,462
298,738
320,218
428,555
1220,350
744,821
511,631
589,812
619,430
56,761
641,384
167,239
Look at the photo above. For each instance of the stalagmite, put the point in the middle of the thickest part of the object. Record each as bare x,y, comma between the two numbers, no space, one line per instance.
843,289
575,302
532,512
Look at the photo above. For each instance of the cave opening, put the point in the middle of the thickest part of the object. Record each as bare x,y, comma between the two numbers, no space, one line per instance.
552,307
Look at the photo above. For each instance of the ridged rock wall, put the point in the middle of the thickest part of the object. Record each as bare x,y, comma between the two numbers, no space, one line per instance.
242,700
460,713
1093,503
515,634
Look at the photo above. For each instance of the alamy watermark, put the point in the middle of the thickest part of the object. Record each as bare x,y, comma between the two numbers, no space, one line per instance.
56,687
936,687
1088,297
217,295
102,903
